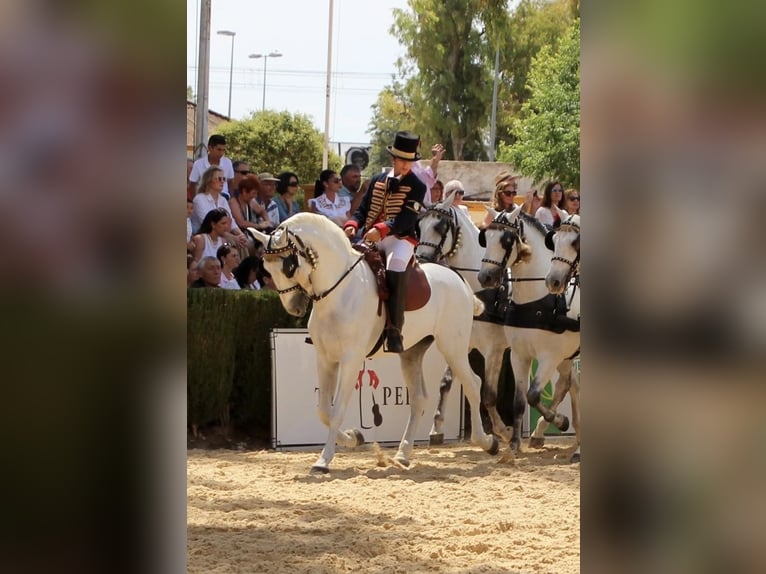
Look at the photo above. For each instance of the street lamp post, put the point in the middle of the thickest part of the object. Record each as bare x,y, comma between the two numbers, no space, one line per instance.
231,63
274,54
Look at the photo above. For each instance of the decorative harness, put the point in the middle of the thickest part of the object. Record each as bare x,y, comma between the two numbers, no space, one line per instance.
513,231
448,222
574,265
291,262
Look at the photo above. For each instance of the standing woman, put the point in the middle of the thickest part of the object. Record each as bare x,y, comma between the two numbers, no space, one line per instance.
211,233
229,258
572,201
329,202
437,192
287,188
551,211
506,188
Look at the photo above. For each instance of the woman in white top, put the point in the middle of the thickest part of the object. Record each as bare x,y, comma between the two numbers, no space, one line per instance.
551,211
229,258
212,232
326,200
455,186
209,197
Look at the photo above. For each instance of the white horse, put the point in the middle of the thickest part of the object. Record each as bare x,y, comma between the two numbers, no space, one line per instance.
540,330
447,233
311,259
565,271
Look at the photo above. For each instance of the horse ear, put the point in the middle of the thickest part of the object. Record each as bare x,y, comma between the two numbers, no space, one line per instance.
549,239
483,238
447,201
492,211
260,236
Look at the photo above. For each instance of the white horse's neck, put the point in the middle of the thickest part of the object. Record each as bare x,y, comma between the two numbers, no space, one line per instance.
467,257
537,266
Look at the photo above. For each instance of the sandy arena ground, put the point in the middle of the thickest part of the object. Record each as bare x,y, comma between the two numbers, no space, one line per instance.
455,510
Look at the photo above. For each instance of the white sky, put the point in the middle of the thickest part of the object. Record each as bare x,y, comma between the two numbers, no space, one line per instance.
363,58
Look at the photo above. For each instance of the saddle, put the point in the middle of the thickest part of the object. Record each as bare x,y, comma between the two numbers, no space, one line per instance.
418,288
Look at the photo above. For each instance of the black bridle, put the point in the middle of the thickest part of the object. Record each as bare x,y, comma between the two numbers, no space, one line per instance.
447,223
574,264
291,262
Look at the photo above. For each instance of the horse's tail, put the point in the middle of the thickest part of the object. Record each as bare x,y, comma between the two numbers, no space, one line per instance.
478,306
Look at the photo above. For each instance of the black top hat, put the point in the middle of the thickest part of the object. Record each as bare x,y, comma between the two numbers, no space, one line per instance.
405,146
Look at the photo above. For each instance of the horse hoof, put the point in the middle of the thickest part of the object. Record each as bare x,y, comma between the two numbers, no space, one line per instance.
358,436
515,445
575,458
536,442
402,461
436,438
564,427
319,470
494,447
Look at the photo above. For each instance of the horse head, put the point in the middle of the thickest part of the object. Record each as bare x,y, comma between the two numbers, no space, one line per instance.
282,259
440,234
566,254
504,246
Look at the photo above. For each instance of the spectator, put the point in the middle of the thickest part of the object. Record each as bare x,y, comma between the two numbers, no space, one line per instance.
241,170
265,199
229,260
192,272
190,190
506,188
551,210
263,278
246,273
189,211
330,203
428,175
208,198
210,273
437,192
351,178
287,187
455,186
216,148
211,233
572,201
242,205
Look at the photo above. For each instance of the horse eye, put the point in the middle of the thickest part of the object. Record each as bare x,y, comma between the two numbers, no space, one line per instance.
507,240
289,265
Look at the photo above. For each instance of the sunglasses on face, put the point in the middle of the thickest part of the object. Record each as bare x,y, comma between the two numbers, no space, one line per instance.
507,193
555,189
292,184
574,198
244,172
219,178
460,192
335,180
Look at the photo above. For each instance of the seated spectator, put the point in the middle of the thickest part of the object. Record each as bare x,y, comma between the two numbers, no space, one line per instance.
192,272
572,201
246,273
229,260
437,192
551,211
267,219
208,198
189,211
242,205
210,273
212,234
327,200
264,278
287,188
455,186
506,188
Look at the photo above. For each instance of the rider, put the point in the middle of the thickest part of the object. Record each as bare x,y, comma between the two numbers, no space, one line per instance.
388,216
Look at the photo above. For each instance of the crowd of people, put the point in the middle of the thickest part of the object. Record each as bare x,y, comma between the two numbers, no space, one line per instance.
224,198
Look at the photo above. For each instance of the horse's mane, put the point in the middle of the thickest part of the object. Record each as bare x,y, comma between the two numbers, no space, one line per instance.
534,222
322,226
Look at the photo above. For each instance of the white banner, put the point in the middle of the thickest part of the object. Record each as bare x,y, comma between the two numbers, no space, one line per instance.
379,407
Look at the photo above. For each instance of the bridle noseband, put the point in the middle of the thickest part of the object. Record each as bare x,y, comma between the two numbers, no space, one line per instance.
574,265
291,262
449,220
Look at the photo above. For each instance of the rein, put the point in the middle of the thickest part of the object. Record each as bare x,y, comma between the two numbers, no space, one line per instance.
290,264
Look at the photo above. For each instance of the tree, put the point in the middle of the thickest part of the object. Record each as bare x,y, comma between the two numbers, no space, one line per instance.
391,113
548,130
278,141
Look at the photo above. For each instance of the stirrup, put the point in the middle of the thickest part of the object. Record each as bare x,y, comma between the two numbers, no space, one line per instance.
394,343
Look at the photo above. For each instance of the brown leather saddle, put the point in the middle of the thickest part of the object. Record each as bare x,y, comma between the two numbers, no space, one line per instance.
418,288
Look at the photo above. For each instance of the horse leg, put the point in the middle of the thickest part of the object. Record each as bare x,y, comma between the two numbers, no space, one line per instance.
412,370
436,436
520,364
561,387
574,395
545,369
493,364
331,413
458,362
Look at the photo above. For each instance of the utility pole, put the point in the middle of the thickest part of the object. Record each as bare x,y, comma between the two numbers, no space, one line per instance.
493,120
203,80
326,147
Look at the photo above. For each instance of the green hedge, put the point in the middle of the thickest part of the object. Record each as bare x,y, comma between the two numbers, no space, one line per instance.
229,356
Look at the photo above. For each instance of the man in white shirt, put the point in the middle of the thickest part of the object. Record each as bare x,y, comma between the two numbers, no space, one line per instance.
216,148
